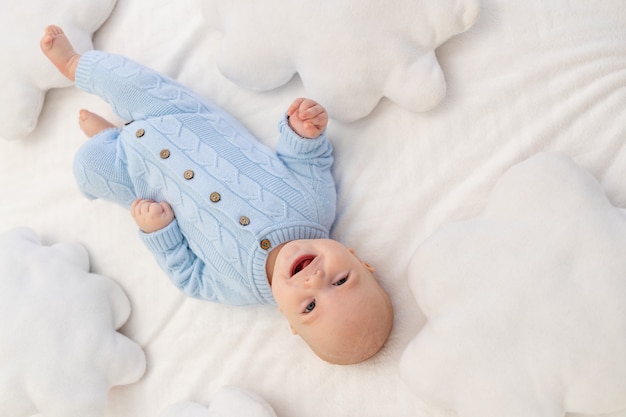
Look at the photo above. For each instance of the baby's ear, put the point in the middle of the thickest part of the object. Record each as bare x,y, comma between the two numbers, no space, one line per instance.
367,265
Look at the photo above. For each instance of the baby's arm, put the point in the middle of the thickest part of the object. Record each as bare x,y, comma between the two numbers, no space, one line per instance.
310,160
188,272
151,216
307,118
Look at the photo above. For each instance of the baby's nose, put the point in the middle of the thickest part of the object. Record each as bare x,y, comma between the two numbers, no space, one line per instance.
314,280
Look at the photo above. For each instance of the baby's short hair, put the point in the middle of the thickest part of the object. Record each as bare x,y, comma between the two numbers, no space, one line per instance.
361,340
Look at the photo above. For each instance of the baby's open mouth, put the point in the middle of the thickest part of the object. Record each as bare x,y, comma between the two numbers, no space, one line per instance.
301,263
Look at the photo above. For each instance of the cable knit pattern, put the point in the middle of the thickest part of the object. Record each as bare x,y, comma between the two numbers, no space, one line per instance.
234,198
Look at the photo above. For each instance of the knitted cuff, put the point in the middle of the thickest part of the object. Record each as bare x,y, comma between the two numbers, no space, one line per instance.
82,78
297,143
163,240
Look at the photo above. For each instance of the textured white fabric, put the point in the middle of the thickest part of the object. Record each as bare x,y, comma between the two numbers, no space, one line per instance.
527,77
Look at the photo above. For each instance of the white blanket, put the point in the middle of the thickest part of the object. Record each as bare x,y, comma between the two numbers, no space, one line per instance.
526,77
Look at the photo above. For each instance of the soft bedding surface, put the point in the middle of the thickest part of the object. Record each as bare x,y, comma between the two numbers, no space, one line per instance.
526,77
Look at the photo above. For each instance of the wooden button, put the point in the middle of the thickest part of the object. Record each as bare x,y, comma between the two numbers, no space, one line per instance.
165,154
244,221
265,244
188,174
215,197
139,133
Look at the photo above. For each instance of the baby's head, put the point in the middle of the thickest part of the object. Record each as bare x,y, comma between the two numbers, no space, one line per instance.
331,299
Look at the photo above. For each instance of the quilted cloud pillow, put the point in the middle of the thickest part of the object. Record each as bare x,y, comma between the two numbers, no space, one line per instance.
60,352
29,75
229,401
526,304
349,54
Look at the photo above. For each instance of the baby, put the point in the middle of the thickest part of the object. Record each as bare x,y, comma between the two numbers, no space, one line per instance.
226,217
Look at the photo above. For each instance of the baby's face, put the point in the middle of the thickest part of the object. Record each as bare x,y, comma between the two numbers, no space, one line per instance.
330,297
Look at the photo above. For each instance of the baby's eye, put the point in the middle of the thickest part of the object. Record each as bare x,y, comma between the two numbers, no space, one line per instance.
340,282
310,307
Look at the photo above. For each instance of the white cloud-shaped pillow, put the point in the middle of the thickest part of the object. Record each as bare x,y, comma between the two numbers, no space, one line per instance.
349,54
59,349
526,304
26,74
229,401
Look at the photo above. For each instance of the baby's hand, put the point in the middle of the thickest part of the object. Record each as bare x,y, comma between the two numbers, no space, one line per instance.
307,118
151,216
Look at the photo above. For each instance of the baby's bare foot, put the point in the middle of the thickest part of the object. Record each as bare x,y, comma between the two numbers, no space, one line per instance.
91,123
57,47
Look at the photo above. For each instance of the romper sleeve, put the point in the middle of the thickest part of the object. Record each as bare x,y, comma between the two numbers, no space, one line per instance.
310,160
185,269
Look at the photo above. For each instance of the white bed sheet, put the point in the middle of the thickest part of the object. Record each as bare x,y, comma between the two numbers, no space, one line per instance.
529,76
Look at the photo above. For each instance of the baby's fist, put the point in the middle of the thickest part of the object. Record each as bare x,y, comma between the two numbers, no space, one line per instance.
151,216
307,118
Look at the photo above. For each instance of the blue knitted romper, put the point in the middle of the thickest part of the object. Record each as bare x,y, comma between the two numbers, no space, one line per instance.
234,199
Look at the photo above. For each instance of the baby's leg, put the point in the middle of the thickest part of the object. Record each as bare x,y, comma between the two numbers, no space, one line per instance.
92,124
57,47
